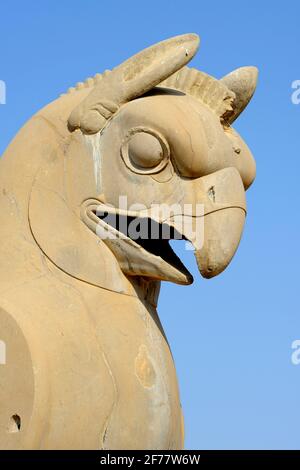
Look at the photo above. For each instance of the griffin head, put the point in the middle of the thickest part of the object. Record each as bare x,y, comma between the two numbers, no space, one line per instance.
160,135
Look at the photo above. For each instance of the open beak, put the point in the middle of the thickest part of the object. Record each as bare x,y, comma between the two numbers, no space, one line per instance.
211,218
138,255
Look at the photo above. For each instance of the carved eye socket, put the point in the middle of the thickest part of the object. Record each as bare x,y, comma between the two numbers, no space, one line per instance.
145,151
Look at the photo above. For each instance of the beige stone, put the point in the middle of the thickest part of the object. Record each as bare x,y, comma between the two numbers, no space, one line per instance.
88,365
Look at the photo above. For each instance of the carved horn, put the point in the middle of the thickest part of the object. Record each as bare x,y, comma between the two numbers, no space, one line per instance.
242,82
131,79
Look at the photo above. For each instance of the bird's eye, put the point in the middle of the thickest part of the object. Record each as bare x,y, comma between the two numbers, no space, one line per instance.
145,151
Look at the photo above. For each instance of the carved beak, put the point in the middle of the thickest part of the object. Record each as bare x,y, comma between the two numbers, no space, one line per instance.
211,218
222,234
216,232
137,256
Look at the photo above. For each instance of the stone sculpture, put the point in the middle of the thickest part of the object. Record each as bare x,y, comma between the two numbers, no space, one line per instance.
87,362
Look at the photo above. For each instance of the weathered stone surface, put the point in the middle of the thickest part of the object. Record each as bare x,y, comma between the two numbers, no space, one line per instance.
87,362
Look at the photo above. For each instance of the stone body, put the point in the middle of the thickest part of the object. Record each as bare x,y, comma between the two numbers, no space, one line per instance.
88,365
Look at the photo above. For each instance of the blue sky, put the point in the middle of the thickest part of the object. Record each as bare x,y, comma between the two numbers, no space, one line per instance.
230,336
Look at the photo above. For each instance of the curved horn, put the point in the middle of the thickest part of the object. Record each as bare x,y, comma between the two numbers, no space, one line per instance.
242,82
131,79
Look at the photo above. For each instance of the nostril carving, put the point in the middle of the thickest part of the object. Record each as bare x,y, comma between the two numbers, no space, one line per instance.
212,194
14,424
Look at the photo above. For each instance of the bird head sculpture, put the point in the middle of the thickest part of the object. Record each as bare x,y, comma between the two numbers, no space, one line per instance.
94,187
160,136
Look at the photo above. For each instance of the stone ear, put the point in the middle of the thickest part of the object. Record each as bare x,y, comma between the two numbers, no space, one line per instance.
131,79
242,82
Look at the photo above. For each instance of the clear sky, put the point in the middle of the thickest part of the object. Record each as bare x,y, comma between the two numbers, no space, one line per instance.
230,336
